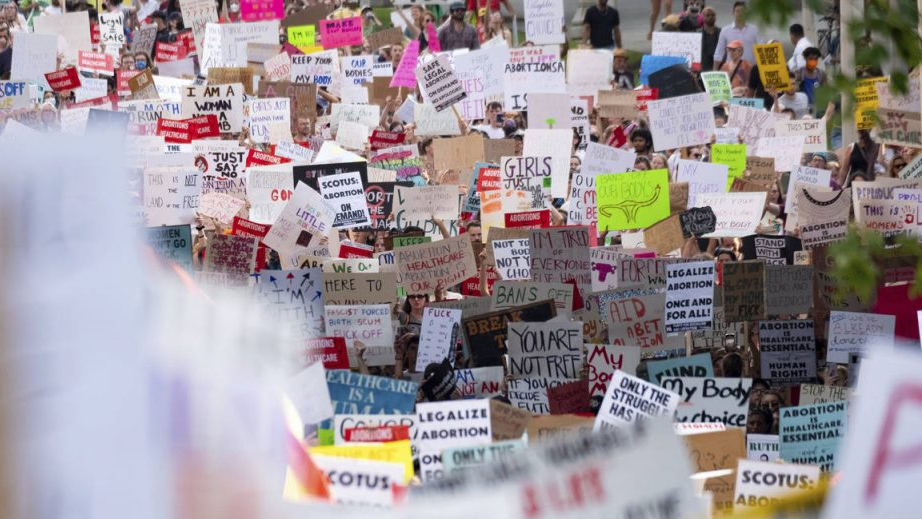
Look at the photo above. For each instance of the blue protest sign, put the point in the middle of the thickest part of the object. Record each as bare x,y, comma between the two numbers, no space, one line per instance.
352,393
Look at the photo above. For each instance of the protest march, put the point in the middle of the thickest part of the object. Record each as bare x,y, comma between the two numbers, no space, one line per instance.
315,258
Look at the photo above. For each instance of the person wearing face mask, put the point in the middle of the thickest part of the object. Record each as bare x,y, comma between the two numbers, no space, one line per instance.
231,12
810,76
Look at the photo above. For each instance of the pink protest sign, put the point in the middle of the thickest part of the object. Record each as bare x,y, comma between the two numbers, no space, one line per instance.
405,75
258,10
433,38
340,33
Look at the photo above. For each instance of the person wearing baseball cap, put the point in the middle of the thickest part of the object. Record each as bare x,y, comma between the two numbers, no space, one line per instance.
456,33
735,66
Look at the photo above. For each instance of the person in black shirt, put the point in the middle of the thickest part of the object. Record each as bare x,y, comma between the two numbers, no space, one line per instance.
601,26
710,34
756,89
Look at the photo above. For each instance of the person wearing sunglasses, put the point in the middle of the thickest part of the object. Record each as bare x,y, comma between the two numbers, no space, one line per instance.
456,33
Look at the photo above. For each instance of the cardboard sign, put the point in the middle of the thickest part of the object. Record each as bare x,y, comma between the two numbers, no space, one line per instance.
331,351
440,333
427,202
392,36
854,332
234,256
172,243
773,68
822,215
697,221
817,394
341,32
743,290
352,393
507,422
293,299
692,366
629,399
689,296
717,450
788,289
445,263
439,83
635,318
812,434
632,200
357,288
604,359
788,351
486,333
458,153
560,255
224,101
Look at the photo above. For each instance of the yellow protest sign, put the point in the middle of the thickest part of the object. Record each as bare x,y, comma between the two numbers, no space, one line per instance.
734,156
304,38
395,452
866,102
633,200
773,69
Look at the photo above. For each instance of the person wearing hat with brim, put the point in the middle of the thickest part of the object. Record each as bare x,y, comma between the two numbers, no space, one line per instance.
624,78
737,68
455,33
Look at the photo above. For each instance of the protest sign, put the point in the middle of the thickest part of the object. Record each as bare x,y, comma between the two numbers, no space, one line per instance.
541,356
330,351
560,255
391,36
641,272
733,156
318,68
197,14
697,221
632,200
817,394
617,104
458,153
664,237
899,128
443,263
773,250
866,101
681,44
604,359
806,175
269,119
822,215
14,95
468,458
571,397
854,332
738,214
35,56
785,150
221,207
234,256
439,202
788,289
635,318
345,192
67,79
269,189
703,177
629,399
788,351
305,216
440,333
486,333
554,143
361,482
172,243
112,29
171,195
743,290
509,294
304,37
603,264
588,71
439,83
689,296
754,124
341,32
405,74
73,27
353,393
532,69
224,101
681,121
506,421
812,130
443,425
531,174
812,434
528,219
511,258
724,400
368,324
294,300
544,20
717,84
762,447
773,69
652,64
483,382
358,288
716,450
699,365
674,81
431,122
761,484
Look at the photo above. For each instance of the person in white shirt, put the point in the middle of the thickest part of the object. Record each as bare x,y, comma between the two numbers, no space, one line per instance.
747,33
493,121
801,43
792,100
